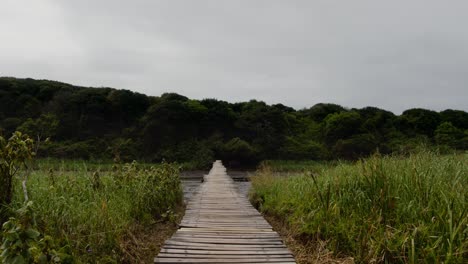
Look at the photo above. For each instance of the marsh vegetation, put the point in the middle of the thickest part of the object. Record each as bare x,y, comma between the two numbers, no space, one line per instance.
409,209
79,213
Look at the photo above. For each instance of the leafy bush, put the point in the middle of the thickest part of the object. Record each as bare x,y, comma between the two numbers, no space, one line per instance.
14,152
23,243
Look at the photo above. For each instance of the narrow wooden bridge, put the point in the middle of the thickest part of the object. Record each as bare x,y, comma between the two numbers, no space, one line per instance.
220,226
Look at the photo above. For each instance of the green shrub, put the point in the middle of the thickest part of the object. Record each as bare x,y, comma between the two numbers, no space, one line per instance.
14,152
23,243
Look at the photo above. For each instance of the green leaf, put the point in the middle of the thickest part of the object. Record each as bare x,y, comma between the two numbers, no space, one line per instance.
42,259
31,233
17,260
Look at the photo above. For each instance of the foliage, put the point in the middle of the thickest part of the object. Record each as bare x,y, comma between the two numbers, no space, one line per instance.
23,243
420,121
320,111
381,209
448,134
42,128
87,121
360,145
239,149
14,152
302,149
341,125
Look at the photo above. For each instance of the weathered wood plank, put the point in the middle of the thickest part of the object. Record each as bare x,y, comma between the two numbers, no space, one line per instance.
230,241
226,256
223,260
219,245
236,236
227,252
221,226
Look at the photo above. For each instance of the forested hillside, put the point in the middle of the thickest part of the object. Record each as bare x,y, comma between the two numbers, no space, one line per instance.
106,123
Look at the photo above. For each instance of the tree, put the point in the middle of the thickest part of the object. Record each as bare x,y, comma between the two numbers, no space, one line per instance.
9,125
320,111
42,128
341,125
303,149
448,134
218,119
127,107
170,121
84,121
355,147
238,150
376,121
262,125
419,121
456,117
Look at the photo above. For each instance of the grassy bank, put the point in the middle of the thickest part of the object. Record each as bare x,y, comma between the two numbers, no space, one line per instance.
98,215
47,164
295,166
383,209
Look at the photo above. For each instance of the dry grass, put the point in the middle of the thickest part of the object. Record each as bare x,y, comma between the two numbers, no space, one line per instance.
142,243
305,251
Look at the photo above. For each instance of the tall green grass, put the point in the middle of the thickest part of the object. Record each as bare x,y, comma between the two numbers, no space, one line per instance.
91,210
46,164
296,165
382,209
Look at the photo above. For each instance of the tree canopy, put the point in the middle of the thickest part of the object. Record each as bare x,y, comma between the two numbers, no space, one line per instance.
102,123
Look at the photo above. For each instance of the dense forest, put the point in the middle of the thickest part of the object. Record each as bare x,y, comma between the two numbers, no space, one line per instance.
106,123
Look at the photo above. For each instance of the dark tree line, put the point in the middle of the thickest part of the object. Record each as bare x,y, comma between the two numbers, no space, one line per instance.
105,123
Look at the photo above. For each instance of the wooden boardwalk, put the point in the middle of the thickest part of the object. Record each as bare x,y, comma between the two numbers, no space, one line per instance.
221,226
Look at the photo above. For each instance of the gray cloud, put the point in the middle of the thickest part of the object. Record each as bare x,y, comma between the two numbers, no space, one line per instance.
391,54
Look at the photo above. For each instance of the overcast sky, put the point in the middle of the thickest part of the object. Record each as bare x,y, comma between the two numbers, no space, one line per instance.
394,54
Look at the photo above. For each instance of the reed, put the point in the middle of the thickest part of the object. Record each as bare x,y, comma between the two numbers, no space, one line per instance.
90,210
382,209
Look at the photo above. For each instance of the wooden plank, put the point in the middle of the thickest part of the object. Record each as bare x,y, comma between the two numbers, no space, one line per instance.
236,236
226,256
221,248
215,245
229,241
226,252
223,260
221,226
231,229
